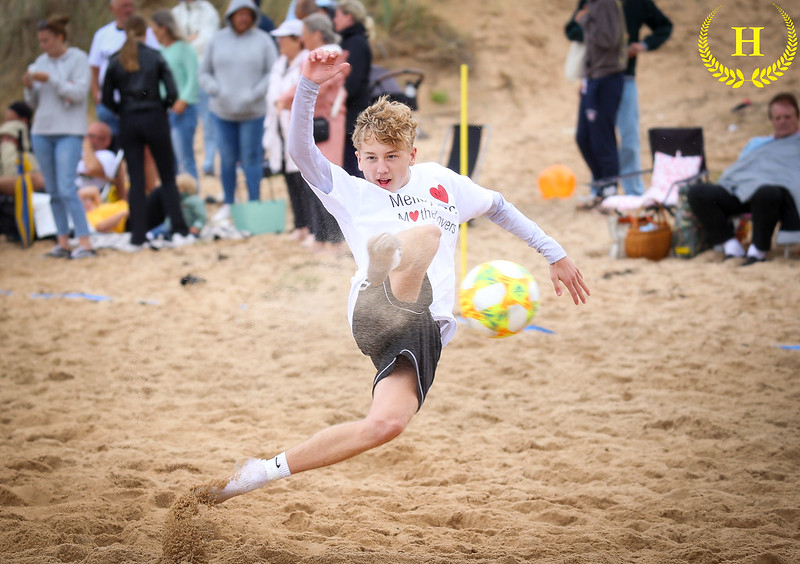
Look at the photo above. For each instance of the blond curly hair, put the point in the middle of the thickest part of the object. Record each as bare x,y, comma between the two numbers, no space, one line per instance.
388,122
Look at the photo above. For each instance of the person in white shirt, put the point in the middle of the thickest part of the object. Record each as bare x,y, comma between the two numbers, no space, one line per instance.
400,222
98,164
282,82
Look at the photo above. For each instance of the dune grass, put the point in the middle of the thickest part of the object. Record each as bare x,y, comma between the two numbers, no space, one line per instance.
18,44
403,28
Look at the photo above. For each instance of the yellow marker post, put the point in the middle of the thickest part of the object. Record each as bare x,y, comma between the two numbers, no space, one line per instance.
464,162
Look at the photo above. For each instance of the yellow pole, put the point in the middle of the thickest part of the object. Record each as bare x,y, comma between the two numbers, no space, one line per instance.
464,164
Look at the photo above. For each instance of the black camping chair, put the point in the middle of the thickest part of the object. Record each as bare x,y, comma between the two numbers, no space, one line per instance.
383,81
477,142
687,140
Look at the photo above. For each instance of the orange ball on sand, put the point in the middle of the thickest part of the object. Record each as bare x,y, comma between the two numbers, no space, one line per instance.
557,181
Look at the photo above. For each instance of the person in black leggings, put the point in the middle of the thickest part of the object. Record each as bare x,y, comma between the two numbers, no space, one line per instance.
132,90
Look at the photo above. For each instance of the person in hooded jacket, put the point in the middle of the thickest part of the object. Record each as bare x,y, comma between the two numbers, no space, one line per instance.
235,72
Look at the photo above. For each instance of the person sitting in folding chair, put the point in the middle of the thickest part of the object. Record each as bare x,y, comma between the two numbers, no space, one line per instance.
763,182
99,166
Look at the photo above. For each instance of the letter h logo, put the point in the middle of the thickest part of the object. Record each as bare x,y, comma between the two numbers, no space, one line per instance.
756,41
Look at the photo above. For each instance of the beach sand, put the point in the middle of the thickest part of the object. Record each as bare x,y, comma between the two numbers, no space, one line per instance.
658,423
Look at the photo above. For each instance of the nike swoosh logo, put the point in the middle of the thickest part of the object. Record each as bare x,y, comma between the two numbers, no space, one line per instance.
277,463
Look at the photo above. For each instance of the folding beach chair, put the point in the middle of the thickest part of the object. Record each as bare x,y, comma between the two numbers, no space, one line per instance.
679,160
477,142
43,213
106,189
23,196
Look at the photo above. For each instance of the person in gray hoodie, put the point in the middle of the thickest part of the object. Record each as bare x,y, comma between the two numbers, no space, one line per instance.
57,87
235,72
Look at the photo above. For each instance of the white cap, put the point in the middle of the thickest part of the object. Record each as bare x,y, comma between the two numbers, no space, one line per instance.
289,27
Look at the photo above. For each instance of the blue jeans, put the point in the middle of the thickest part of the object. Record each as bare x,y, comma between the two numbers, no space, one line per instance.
182,129
108,117
58,157
628,125
209,139
240,142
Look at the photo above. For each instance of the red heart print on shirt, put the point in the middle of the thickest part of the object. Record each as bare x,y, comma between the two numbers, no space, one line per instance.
413,215
440,193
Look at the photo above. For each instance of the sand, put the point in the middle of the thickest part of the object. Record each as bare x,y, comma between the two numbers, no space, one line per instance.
657,424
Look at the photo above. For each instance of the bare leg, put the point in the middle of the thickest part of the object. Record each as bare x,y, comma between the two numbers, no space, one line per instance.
393,405
394,400
384,255
419,246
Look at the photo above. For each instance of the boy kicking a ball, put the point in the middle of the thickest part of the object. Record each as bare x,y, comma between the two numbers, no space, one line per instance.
401,224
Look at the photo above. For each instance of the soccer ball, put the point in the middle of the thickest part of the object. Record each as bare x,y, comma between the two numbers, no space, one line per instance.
498,298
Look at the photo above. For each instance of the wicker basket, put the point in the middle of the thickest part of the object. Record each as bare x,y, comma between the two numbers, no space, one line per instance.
649,237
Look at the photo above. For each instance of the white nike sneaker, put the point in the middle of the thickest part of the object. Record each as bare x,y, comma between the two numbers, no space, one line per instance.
179,240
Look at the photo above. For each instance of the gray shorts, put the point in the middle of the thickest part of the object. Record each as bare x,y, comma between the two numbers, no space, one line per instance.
386,328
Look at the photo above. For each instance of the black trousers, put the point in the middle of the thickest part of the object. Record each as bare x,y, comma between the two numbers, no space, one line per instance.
595,134
299,197
151,128
714,207
321,223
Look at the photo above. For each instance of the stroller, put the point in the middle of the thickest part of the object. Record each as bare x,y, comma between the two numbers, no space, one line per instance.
383,81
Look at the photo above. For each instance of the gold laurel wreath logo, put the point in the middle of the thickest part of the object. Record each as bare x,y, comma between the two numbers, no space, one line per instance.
761,76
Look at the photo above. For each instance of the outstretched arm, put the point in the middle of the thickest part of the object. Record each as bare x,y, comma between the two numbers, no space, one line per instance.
316,169
562,269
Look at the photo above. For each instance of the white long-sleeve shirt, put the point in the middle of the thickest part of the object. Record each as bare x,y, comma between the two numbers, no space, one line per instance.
434,195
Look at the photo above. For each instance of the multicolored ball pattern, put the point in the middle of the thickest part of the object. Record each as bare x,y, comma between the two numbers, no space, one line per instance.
498,298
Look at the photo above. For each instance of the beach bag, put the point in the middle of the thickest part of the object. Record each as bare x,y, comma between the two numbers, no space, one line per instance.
260,216
321,130
688,237
649,237
573,65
